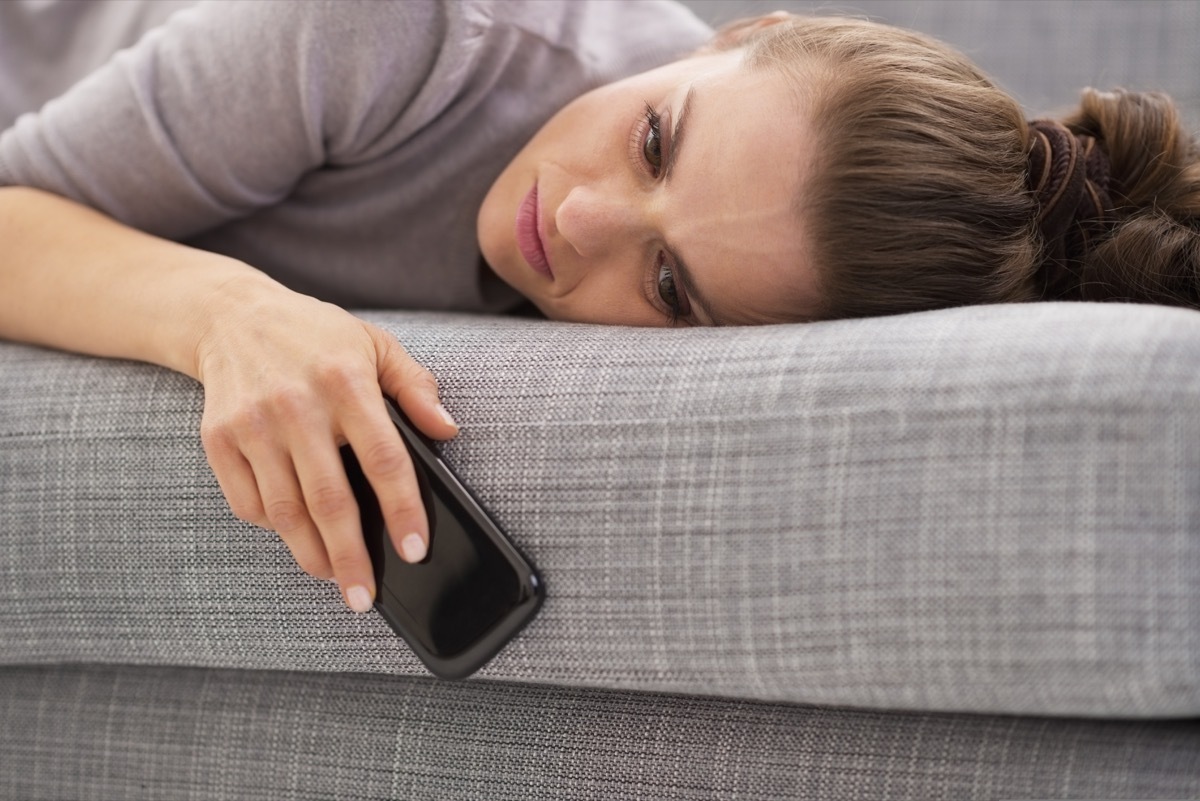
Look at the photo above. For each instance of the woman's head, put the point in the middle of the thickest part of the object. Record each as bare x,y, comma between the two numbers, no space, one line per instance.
909,180
926,194
669,194
919,200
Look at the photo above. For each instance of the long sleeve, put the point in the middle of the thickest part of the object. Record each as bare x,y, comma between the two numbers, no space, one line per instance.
224,108
343,147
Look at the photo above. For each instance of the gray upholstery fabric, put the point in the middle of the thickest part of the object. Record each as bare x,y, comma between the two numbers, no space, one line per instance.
983,509
105,732
1043,51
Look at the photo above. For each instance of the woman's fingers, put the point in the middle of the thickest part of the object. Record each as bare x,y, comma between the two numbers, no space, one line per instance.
388,467
334,512
317,508
305,492
414,387
390,470
287,510
234,475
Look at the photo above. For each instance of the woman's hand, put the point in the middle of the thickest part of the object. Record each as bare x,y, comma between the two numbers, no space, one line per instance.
289,379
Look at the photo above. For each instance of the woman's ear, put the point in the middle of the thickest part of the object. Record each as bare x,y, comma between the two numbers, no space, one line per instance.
735,34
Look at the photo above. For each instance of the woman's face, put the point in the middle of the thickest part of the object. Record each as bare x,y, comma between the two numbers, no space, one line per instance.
670,196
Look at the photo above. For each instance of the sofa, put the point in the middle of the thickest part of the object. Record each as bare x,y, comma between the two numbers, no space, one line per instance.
946,555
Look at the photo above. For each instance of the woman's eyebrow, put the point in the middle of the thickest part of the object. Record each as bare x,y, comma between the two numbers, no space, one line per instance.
678,133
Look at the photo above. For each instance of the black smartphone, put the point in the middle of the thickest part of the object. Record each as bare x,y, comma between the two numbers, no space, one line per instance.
471,593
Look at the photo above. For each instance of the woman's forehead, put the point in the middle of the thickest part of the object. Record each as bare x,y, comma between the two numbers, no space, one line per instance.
738,182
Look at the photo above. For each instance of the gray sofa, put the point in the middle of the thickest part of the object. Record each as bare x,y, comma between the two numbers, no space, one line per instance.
945,555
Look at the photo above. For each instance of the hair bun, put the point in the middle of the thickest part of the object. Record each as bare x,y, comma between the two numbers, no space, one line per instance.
1069,174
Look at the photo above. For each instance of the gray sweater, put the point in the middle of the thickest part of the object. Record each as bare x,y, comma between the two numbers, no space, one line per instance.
343,147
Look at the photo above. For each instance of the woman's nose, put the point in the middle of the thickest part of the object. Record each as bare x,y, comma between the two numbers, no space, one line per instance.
593,220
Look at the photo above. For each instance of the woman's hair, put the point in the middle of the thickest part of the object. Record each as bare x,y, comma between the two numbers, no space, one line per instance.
923,196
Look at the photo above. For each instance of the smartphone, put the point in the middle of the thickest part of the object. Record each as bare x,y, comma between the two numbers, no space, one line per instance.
473,591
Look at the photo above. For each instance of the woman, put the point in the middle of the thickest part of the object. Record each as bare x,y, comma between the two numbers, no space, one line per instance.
788,169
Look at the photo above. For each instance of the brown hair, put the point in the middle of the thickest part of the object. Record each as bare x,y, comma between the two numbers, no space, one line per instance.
921,199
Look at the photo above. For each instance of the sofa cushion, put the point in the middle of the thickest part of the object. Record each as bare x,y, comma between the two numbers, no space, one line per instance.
988,509
118,731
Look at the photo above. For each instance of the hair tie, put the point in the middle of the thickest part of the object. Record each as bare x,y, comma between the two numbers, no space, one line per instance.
1069,174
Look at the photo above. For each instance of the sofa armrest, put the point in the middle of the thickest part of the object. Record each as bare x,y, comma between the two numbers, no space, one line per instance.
987,509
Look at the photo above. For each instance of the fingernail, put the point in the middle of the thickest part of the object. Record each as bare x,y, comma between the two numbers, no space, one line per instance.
359,598
446,415
412,548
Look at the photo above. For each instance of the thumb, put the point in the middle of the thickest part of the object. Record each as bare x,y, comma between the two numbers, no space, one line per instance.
412,386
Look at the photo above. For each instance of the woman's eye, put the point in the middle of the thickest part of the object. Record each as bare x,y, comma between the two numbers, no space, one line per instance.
652,145
666,288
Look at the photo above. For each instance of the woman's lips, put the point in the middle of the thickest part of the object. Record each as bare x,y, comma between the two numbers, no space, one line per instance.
529,238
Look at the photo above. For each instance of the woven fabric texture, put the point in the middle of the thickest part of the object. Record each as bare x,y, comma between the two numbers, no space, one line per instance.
104,732
1042,51
982,509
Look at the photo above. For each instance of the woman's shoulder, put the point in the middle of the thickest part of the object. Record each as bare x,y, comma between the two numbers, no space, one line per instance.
611,38
47,46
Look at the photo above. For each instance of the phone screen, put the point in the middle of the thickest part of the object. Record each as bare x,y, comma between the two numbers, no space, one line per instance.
471,593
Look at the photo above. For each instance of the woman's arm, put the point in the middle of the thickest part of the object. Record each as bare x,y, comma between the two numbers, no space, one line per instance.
76,280
225,108
287,378
212,116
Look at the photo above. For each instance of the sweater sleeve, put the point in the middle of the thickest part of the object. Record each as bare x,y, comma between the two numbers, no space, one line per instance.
225,107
